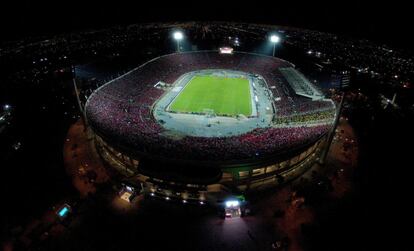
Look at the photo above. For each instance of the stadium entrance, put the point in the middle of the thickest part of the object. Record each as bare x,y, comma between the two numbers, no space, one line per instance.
232,209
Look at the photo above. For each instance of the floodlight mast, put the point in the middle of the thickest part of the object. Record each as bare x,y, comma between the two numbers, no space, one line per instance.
178,35
274,39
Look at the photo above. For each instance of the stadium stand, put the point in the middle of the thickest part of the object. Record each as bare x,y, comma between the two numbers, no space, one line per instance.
120,110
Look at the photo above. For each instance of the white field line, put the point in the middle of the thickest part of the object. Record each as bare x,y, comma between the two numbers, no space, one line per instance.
182,89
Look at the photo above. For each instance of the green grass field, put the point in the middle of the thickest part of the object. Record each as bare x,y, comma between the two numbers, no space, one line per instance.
226,96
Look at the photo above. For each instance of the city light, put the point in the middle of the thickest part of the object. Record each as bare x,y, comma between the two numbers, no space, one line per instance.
6,107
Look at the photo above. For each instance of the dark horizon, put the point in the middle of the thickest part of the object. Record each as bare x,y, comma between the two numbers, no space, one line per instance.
377,22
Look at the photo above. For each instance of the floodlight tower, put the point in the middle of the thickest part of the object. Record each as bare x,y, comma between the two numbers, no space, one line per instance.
274,39
178,36
7,110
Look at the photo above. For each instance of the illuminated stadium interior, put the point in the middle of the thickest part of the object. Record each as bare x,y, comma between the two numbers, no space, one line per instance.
221,95
204,125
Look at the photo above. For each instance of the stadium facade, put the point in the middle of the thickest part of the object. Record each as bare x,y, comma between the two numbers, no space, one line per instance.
204,156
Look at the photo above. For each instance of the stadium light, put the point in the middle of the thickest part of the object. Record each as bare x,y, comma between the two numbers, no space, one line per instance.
6,107
274,39
178,36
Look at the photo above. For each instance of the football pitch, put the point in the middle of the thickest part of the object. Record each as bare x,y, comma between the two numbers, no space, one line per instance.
220,95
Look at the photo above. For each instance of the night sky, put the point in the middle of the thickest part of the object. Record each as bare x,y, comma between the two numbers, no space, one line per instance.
383,21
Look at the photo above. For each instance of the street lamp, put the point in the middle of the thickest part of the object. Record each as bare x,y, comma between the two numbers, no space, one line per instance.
274,39
178,35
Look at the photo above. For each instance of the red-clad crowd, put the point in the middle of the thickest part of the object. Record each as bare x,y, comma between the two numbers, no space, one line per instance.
121,109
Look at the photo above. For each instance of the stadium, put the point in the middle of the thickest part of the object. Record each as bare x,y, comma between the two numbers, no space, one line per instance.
206,126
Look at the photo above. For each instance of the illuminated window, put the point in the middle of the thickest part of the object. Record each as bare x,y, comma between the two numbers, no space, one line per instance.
271,168
294,160
227,176
284,164
302,156
243,174
258,171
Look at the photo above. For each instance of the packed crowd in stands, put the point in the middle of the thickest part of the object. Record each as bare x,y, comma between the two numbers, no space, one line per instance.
121,109
308,117
255,144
